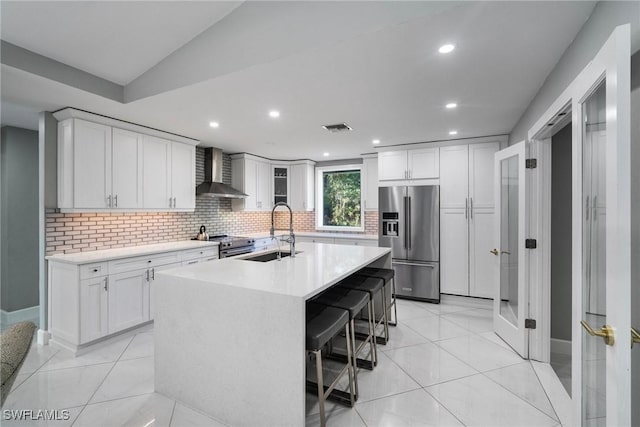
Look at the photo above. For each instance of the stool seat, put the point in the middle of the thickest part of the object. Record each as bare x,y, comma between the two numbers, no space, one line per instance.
347,299
323,323
363,283
386,274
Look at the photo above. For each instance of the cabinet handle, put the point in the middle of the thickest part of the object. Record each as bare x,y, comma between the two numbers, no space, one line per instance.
170,202
466,208
471,207
106,283
95,270
153,274
115,200
174,202
109,201
147,275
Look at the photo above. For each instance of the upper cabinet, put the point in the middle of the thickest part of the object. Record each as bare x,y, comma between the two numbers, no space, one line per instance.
104,167
302,186
370,183
280,183
251,175
408,164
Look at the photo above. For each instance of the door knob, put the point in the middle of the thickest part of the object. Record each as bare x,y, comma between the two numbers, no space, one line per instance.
635,336
494,251
606,332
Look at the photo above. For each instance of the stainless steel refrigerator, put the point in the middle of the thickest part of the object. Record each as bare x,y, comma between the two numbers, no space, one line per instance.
409,224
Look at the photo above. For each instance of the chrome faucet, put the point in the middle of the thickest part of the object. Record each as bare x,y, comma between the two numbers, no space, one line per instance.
292,238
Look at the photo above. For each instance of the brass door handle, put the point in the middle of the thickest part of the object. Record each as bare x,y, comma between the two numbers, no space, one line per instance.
635,336
606,332
494,251
505,252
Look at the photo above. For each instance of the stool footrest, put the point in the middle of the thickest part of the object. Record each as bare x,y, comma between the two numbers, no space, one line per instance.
335,395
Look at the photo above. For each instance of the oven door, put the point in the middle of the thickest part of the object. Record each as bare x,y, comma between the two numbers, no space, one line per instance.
226,253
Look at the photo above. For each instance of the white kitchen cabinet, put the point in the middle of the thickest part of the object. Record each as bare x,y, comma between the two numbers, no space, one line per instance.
128,299
302,186
183,176
252,176
454,252
370,183
355,242
155,173
415,164
93,308
467,219
310,239
105,165
483,269
152,278
126,161
280,183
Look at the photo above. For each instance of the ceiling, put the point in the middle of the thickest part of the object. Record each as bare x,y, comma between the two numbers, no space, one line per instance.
378,70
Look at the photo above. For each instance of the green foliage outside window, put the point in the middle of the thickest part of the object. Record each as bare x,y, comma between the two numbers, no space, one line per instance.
341,200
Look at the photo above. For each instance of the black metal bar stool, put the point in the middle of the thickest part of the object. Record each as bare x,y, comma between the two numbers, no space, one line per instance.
322,324
388,275
354,302
374,286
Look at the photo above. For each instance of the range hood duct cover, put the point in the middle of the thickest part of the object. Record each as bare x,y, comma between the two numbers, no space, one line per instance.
213,185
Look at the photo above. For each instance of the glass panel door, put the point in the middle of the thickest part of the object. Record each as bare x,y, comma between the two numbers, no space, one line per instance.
510,301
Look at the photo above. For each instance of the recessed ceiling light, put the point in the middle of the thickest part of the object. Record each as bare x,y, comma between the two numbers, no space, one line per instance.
376,141
214,124
453,132
325,154
446,48
274,114
451,105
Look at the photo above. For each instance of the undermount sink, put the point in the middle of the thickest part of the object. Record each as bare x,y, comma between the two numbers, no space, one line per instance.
271,256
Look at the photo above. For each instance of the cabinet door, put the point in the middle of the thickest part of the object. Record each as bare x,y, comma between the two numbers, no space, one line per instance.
128,299
250,185
263,186
93,309
297,194
454,252
91,165
370,180
155,173
392,165
423,163
482,265
454,177
481,179
280,184
183,175
125,166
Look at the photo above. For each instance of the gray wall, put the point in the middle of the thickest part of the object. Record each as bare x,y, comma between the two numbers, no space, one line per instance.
19,218
635,231
605,17
561,234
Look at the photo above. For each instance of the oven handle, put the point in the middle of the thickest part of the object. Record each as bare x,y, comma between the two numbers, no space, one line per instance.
236,251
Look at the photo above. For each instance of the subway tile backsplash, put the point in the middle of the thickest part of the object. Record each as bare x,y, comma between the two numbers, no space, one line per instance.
79,232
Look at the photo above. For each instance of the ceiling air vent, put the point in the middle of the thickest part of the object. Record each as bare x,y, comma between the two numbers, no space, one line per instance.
340,127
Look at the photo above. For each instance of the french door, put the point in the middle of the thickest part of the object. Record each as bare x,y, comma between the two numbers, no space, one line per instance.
601,271
511,296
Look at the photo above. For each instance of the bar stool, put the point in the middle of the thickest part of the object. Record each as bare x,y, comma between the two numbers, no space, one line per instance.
388,275
374,286
322,324
354,302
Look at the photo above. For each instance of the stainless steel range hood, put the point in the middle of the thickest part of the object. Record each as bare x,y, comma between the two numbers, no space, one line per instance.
213,185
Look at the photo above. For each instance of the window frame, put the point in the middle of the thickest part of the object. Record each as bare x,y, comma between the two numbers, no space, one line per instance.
320,170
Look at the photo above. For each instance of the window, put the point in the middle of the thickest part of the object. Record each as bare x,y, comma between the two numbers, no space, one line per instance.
339,201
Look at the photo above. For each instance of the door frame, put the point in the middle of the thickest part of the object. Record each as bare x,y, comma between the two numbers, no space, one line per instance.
614,50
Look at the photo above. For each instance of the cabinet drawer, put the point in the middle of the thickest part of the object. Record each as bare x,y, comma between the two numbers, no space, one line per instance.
87,271
192,254
134,263
356,242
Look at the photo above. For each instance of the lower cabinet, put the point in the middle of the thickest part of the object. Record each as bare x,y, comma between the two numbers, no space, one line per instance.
337,240
94,300
93,308
128,299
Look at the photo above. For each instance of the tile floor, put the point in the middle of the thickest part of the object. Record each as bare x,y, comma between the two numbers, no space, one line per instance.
442,367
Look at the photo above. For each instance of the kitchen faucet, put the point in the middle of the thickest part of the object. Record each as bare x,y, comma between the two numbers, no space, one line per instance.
292,238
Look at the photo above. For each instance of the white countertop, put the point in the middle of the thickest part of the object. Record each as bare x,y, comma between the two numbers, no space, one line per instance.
316,234
109,254
314,269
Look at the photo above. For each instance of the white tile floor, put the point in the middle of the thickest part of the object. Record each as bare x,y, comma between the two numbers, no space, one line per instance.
443,366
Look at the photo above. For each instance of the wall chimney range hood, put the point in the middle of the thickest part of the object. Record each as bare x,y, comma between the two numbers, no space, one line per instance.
213,185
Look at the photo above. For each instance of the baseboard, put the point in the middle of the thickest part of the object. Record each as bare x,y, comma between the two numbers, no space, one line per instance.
560,346
12,317
472,302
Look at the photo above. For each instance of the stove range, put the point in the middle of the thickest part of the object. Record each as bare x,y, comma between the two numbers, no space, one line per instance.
233,245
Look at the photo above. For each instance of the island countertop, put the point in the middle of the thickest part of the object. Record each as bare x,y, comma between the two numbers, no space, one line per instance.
316,267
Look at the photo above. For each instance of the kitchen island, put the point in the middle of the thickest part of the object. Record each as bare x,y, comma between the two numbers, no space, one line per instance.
230,334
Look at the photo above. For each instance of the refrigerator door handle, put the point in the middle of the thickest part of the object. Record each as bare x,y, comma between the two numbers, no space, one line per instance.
471,208
466,208
406,220
414,264
409,222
